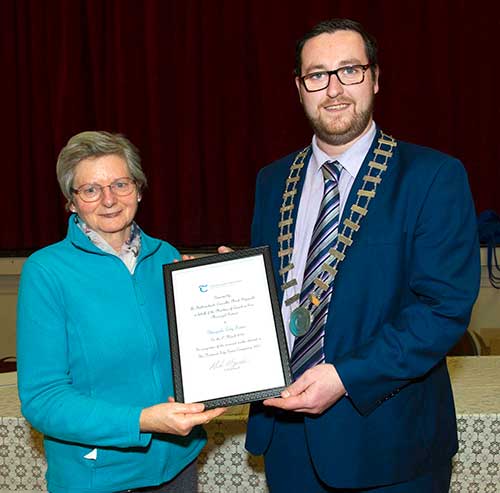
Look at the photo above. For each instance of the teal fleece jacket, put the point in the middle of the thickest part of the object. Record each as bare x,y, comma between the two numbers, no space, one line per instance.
93,351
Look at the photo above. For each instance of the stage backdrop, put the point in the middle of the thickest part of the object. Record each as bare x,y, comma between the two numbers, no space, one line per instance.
205,89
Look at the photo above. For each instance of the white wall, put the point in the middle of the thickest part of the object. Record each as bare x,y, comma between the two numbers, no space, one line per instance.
10,268
485,316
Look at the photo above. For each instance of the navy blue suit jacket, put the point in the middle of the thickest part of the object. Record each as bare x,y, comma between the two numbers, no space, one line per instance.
402,298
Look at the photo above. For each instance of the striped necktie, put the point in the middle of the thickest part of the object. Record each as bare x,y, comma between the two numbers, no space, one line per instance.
308,349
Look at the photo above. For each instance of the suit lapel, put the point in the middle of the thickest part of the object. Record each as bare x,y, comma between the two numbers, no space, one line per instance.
351,199
284,173
300,187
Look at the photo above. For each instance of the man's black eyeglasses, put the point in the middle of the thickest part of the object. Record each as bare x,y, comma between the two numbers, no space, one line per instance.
347,76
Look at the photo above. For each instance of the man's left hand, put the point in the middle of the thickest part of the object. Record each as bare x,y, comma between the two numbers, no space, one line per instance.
314,391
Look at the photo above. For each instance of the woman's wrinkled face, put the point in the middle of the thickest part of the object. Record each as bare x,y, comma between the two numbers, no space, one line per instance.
111,215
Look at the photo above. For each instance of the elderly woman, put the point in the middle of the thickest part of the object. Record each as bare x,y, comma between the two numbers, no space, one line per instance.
93,348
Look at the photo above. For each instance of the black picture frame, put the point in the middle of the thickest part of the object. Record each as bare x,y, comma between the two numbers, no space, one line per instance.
173,274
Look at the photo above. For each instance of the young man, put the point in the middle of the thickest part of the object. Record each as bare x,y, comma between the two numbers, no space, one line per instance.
374,245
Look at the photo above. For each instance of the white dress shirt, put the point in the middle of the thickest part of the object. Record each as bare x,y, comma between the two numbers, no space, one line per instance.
310,202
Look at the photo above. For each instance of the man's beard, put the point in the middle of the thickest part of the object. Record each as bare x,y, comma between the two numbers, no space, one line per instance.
334,136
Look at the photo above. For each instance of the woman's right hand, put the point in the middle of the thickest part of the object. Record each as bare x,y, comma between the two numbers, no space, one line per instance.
176,418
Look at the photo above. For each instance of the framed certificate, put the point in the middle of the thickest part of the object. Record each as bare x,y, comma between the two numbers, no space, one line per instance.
227,339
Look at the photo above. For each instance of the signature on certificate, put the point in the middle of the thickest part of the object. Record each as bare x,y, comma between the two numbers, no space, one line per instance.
227,364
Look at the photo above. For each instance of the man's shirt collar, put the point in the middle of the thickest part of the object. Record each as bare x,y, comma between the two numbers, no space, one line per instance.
352,159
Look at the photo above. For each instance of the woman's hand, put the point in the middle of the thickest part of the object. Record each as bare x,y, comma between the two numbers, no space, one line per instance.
184,257
176,418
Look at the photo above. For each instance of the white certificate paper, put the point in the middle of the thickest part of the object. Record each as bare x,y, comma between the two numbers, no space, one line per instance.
226,334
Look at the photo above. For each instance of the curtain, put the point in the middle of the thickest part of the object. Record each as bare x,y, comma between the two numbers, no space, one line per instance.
205,90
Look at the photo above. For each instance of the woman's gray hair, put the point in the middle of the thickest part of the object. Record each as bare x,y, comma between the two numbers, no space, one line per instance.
91,145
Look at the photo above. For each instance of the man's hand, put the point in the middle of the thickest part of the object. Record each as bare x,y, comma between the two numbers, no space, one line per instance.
224,249
313,392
